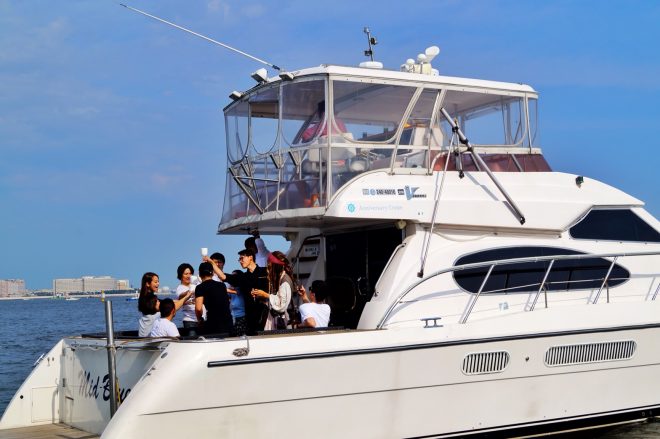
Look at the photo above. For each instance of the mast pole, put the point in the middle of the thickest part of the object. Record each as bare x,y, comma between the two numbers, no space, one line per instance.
226,46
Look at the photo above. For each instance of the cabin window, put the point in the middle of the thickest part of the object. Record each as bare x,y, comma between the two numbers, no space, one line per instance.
525,277
487,119
264,115
614,225
236,121
533,106
369,112
303,109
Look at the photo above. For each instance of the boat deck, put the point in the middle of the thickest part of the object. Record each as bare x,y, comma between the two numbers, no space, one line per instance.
49,431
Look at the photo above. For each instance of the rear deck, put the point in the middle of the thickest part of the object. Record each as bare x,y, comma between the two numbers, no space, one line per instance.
49,431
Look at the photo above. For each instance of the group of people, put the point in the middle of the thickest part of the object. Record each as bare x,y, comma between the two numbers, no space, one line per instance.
260,298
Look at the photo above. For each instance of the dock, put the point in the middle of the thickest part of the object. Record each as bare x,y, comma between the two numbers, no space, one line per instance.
48,431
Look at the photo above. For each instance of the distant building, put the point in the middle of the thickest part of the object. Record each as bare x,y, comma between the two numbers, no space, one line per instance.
90,284
12,288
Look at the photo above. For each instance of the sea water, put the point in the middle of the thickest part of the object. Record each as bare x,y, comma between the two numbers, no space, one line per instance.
29,328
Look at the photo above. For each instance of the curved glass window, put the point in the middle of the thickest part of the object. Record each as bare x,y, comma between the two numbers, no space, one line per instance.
417,130
369,112
533,105
525,277
614,225
303,108
264,115
487,119
236,121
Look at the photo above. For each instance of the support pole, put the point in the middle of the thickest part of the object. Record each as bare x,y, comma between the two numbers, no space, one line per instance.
482,165
112,367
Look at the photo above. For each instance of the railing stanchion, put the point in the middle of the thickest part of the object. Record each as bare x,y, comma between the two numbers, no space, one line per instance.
483,284
112,366
545,277
656,291
607,276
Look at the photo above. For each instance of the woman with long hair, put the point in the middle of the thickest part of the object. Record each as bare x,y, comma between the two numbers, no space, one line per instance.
280,285
185,274
149,305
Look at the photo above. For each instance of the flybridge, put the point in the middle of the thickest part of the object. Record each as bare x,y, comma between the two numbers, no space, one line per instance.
294,141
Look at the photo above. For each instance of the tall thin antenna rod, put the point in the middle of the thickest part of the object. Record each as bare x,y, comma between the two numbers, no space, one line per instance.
371,41
204,37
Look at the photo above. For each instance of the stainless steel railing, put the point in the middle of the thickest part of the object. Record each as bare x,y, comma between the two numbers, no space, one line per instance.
492,264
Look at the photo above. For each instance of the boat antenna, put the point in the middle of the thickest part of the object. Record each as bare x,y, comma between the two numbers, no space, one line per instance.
204,37
371,41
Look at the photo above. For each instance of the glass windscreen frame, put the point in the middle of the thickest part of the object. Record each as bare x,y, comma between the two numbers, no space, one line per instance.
330,128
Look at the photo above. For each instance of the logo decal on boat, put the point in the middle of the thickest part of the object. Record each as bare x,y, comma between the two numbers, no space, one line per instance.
411,193
351,207
388,191
88,386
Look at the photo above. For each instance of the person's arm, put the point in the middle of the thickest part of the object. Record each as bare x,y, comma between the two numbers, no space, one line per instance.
309,322
303,294
260,294
173,331
280,301
218,272
199,309
178,303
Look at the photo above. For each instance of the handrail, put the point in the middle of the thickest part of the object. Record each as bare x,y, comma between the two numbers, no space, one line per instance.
605,281
463,267
475,298
545,278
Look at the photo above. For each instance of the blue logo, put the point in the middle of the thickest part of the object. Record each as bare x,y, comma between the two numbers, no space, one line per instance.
410,192
351,207
373,192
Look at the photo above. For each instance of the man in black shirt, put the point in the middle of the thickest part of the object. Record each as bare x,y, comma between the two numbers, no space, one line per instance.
253,277
212,295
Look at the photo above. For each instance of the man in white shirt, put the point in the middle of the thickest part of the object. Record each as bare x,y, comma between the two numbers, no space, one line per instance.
314,313
258,246
164,327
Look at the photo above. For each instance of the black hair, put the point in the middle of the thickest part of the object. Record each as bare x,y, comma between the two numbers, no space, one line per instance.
166,308
250,243
205,269
218,257
247,252
320,290
148,304
182,268
147,300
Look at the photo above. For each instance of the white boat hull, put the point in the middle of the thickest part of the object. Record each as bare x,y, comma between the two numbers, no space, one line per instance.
375,383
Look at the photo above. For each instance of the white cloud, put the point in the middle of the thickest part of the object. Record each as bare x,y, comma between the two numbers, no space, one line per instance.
219,6
23,41
253,11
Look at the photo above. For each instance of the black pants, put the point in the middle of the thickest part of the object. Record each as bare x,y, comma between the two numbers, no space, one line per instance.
192,328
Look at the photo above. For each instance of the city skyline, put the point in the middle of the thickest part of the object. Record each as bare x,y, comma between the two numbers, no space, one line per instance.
112,132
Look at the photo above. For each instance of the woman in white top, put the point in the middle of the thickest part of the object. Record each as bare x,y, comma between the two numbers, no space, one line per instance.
149,305
280,282
185,273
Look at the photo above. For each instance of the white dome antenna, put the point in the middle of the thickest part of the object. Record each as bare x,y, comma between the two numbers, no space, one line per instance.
431,52
423,64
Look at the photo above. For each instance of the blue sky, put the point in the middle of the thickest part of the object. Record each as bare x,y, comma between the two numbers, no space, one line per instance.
111,130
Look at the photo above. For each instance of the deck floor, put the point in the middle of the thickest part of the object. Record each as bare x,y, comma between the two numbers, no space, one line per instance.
50,431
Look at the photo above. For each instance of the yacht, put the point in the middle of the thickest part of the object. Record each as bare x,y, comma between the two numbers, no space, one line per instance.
475,291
